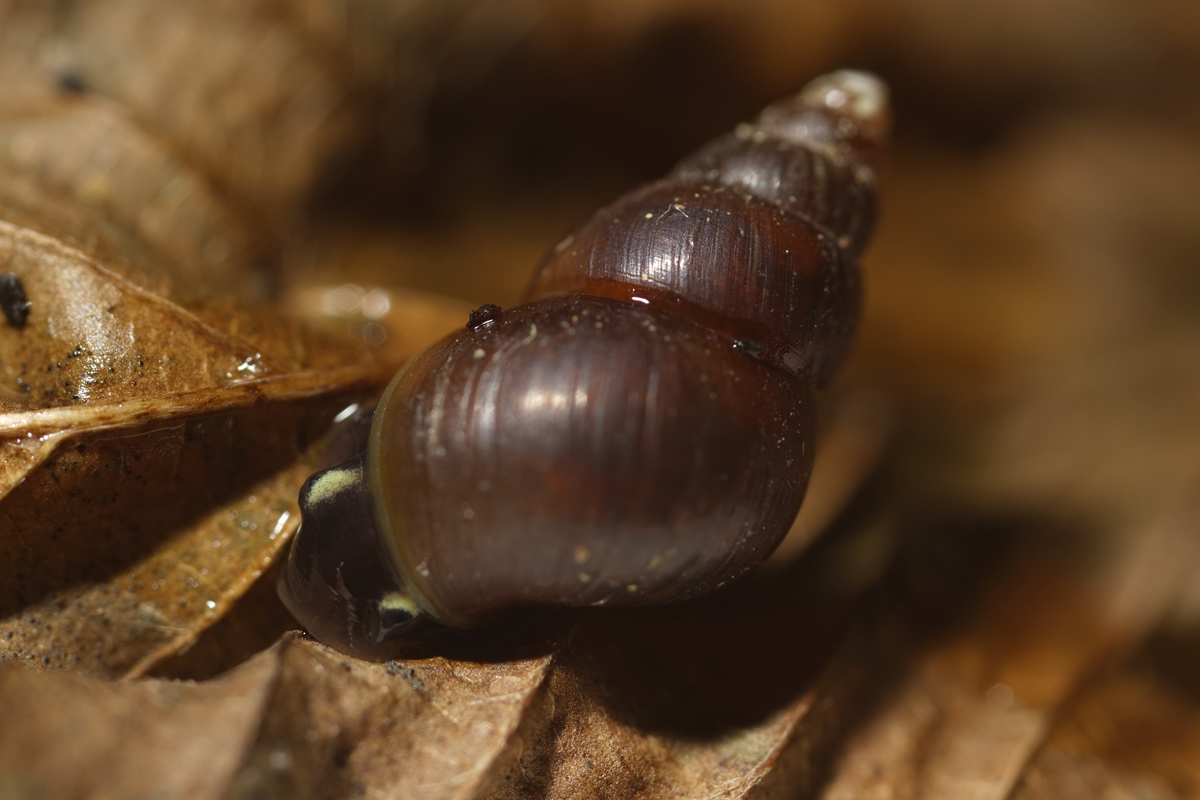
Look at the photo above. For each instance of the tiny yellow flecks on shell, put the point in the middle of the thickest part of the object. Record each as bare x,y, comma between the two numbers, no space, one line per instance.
333,482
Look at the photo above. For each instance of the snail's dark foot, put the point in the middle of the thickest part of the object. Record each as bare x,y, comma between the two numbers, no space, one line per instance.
339,581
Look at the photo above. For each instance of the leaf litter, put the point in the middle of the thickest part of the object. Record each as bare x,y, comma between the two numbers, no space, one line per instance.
127,510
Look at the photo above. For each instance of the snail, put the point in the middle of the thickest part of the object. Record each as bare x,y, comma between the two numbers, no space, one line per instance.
640,431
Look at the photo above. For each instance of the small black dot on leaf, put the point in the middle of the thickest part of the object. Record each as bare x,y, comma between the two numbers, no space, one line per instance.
13,301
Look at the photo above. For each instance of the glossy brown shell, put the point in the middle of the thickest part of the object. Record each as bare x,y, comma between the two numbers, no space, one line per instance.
585,451
834,195
642,430
721,257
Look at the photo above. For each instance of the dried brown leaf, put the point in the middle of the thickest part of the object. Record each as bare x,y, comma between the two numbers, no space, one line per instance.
93,337
87,158
299,720
975,706
126,542
236,86
720,700
151,461
82,736
1125,736
433,728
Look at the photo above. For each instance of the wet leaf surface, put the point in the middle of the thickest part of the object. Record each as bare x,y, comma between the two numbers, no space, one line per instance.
152,459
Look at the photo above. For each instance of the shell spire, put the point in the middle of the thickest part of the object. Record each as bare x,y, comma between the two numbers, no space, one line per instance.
814,155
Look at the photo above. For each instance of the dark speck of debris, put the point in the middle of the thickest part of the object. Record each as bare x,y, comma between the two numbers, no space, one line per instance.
751,347
13,300
483,316
71,83
407,673
338,756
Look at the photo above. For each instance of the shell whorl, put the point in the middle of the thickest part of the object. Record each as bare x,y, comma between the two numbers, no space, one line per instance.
813,155
640,431
756,235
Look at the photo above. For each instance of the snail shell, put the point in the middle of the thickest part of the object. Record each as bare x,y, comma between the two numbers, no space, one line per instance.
641,431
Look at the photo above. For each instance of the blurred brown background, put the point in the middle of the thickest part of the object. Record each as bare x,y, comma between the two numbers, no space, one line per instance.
1032,317
1038,200
1035,276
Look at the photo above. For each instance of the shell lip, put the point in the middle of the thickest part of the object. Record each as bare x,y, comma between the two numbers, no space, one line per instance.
339,582
391,523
